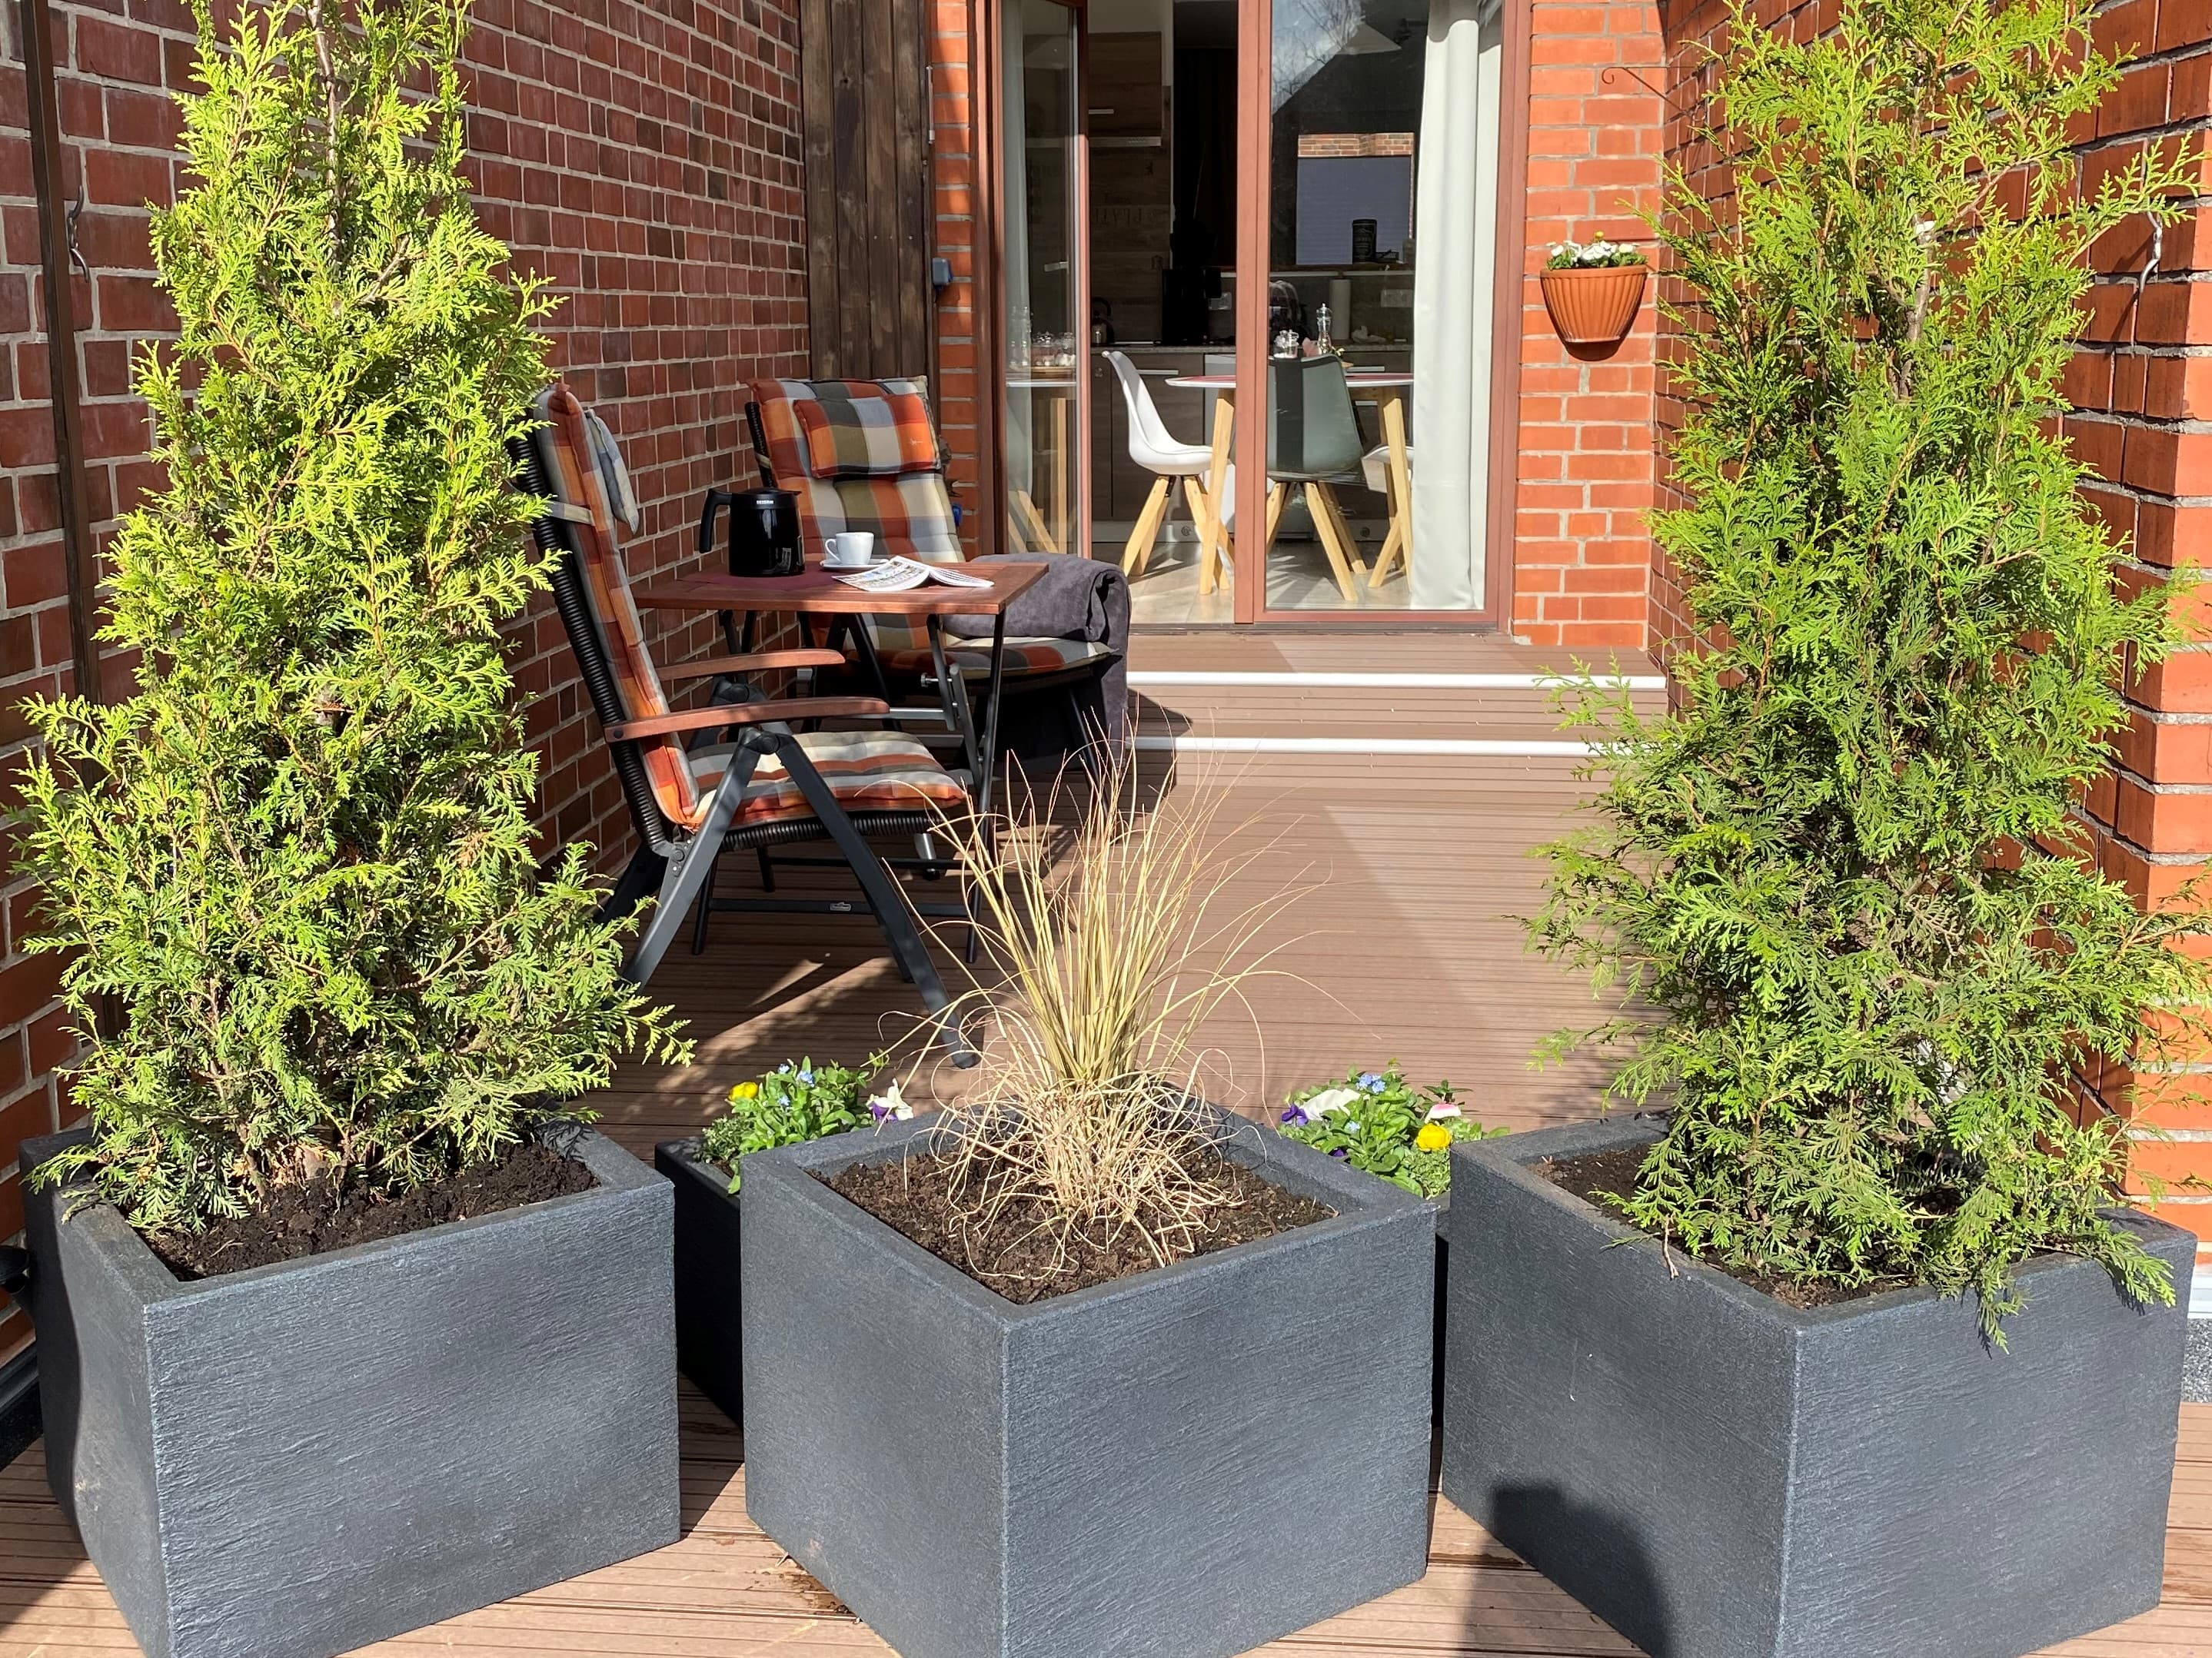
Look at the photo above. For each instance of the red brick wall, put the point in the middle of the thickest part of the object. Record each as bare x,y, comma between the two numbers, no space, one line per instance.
2140,384
961,242
1581,548
644,156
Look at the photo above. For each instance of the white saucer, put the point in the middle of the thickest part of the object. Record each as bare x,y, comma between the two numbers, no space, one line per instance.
849,569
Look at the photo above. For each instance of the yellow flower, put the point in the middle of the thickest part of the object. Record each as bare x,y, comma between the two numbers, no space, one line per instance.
745,1092
1433,1137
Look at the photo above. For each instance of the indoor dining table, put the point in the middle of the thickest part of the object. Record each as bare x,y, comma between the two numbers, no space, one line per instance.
1387,391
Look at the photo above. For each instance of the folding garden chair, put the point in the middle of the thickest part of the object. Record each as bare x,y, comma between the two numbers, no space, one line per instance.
864,455
760,782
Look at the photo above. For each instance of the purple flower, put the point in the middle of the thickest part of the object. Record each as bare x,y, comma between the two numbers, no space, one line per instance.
881,1111
1340,1152
1293,1114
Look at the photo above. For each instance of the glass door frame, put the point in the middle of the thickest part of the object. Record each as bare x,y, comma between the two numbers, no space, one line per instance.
1256,46
988,91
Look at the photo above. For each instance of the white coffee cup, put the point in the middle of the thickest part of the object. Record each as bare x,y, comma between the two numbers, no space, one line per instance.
850,550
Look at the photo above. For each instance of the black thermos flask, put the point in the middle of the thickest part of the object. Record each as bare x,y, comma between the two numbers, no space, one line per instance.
763,531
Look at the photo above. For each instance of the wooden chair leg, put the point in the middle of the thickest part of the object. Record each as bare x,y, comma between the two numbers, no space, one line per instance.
1331,529
1029,523
1201,514
1138,553
1278,495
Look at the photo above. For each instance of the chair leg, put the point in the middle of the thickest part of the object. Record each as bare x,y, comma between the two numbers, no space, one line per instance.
704,907
1201,513
1138,553
688,869
1278,495
1331,529
1394,545
893,913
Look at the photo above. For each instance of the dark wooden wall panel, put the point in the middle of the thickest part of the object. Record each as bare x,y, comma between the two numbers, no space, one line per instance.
868,189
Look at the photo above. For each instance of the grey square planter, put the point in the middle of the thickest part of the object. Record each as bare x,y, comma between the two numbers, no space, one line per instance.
1718,1475
709,1348
1186,1463
303,1458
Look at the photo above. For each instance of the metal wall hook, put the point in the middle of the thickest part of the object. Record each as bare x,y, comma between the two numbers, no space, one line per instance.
77,211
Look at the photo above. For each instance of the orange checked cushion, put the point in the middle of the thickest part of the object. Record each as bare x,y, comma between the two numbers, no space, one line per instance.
851,434
867,771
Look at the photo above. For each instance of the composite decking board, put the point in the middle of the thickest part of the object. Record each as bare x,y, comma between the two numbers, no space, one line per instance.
724,1590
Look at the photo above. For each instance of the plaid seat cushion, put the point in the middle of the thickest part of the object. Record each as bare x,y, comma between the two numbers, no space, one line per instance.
851,436
1022,656
867,771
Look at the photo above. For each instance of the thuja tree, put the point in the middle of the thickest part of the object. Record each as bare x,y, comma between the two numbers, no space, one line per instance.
1842,874
298,858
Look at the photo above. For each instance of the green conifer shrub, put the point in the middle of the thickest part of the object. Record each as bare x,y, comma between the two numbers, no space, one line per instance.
299,855
1838,871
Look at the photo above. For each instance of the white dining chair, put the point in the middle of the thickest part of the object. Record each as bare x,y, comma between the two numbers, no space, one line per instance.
1155,449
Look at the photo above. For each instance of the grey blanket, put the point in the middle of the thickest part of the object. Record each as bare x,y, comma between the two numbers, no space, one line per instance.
1076,598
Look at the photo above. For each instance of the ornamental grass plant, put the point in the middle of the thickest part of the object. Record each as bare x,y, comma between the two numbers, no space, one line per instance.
1845,871
298,855
1110,934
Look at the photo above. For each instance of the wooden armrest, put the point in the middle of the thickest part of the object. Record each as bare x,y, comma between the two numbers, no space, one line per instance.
758,662
747,713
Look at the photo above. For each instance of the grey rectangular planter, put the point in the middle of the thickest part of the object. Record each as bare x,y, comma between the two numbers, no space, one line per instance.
1718,1475
303,1458
1185,1463
709,1347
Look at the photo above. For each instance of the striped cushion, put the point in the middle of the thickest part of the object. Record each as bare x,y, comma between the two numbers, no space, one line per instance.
867,771
565,444
1022,656
853,435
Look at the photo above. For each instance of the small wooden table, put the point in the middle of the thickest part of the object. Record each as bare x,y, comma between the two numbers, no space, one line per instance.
818,593
1214,546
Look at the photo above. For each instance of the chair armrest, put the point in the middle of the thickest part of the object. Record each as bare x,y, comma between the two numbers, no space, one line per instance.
747,713
758,662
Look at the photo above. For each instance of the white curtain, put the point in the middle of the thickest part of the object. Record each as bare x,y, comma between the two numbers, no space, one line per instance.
1456,239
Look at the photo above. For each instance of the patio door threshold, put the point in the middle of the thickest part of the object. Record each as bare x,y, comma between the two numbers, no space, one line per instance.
1461,747
1141,679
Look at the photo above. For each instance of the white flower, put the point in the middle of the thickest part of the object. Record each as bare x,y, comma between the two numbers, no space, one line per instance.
1443,1109
1329,1099
890,1106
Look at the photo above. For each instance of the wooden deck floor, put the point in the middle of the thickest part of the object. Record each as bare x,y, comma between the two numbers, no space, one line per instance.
1410,871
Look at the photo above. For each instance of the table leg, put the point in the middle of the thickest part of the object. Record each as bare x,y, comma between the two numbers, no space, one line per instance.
1059,475
952,691
991,713
1214,550
1402,474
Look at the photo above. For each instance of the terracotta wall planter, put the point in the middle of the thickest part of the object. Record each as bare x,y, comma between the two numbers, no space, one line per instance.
1719,1475
1595,306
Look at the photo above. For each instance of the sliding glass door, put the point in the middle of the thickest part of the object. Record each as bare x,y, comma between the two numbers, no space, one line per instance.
1375,383
1043,322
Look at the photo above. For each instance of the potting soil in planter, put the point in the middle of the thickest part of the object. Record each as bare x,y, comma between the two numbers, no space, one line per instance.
1021,1254
313,1219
